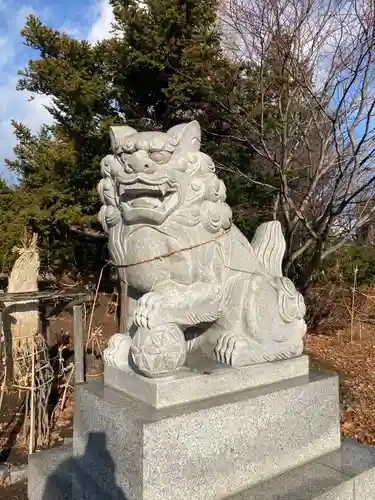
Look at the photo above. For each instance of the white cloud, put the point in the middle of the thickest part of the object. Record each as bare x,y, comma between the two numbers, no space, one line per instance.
12,20
15,105
102,27
18,106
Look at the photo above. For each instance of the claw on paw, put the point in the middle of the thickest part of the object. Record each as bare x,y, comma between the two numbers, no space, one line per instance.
147,313
228,347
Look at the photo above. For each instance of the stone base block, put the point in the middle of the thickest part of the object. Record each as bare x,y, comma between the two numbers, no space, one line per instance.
346,474
56,475
206,450
200,379
49,474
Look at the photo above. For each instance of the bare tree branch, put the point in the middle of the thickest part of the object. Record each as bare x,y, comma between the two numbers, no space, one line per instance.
311,67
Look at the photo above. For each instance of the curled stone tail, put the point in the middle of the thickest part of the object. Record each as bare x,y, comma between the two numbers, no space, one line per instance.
269,247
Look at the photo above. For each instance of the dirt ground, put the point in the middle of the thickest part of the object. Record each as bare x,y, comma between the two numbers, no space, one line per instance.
15,492
352,356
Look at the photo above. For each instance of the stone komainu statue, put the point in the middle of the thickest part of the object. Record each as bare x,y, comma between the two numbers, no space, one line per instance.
195,282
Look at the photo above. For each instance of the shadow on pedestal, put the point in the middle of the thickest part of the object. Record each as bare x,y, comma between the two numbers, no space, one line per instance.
69,480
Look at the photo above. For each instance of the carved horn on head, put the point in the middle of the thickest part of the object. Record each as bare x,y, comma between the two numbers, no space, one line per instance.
117,134
188,135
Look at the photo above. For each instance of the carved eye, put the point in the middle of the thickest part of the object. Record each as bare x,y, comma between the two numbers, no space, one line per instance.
160,156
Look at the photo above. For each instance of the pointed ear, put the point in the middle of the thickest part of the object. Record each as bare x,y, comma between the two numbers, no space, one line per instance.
188,135
117,134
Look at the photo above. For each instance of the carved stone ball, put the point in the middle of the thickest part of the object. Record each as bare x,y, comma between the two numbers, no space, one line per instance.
159,352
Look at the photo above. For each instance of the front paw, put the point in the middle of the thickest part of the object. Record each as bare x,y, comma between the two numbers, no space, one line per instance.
117,352
149,312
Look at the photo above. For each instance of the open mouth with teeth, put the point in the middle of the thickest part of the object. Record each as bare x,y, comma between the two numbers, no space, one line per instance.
161,197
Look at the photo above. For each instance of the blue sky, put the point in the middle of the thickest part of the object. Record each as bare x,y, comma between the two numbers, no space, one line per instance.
85,19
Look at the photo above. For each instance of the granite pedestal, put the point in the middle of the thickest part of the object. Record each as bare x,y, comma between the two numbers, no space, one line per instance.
269,442
345,474
200,379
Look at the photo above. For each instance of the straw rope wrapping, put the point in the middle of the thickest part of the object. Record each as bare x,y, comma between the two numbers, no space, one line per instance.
32,371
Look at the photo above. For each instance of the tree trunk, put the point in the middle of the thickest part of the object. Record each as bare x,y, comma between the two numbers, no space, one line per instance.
304,281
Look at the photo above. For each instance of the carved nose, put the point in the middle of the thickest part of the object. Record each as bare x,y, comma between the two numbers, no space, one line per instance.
139,162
